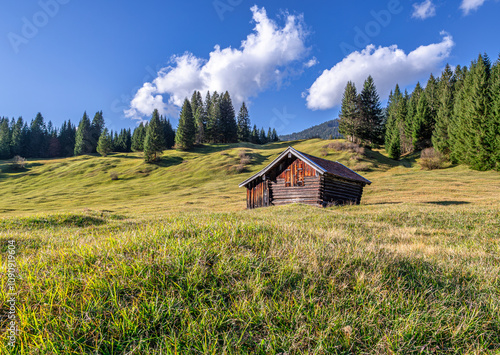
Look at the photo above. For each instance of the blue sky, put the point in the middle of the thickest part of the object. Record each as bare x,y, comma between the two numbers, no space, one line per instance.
62,57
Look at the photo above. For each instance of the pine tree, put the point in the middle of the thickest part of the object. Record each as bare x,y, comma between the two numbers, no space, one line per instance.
255,135
349,112
276,138
243,124
495,122
54,148
168,134
154,141
422,124
213,121
104,145
227,127
67,137
473,143
201,118
370,111
4,139
407,136
269,137
16,142
138,138
185,135
83,139
396,114
96,129
262,136
440,136
432,95
38,138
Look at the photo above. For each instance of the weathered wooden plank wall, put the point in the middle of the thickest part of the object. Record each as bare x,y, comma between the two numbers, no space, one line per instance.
335,190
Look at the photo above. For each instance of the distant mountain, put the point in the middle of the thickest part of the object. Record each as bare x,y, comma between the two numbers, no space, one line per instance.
323,131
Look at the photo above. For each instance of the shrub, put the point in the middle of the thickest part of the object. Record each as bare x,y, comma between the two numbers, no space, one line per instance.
242,153
345,146
113,175
18,162
362,167
431,159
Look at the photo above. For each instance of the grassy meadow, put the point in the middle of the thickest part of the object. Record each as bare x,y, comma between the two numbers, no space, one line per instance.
166,260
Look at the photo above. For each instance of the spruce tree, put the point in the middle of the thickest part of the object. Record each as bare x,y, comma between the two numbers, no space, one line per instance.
262,136
138,138
396,114
370,111
213,121
201,118
96,129
349,112
275,136
228,126
243,124
255,135
169,134
422,124
16,142
83,139
473,143
440,136
67,137
104,144
269,137
495,122
407,135
4,139
154,141
186,131
38,138
432,92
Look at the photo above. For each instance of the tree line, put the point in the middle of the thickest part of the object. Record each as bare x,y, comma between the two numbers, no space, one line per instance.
214,121
209,121
457,114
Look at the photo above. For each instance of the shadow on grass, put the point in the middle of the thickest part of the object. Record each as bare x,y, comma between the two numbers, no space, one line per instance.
69,220
448,203
166,162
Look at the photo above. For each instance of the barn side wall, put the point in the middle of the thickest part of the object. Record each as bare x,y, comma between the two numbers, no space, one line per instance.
338,191
308,194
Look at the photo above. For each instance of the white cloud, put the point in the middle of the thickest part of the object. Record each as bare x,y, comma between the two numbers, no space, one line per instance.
470,5
263,59
387,65
311,63
424,10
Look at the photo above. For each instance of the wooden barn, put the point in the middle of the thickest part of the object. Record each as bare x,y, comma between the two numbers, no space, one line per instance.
296,177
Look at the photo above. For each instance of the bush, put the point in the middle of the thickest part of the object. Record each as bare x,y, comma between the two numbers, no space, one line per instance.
431,159
18,162
346,146
113,175
362,167
242,153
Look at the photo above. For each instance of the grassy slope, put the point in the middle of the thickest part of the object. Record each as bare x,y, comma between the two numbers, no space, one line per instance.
166,259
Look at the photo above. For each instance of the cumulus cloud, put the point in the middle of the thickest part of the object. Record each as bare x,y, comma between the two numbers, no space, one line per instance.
265,58
387,65
469,5
424,10
311,63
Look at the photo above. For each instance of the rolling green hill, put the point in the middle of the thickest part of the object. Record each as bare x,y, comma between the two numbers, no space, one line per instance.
323,131
166,259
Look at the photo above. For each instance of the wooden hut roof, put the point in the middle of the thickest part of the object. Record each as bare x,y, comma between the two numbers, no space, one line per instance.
322,166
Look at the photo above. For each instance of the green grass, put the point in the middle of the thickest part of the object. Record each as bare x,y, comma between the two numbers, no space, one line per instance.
167,261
